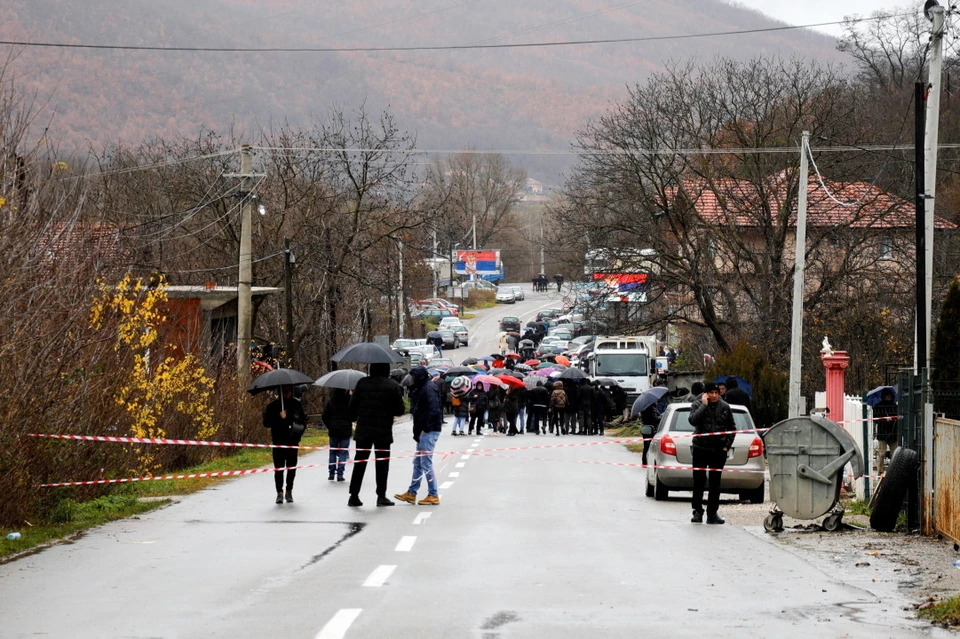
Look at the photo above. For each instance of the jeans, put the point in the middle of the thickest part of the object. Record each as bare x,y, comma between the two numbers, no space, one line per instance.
423,463
338,458
459,423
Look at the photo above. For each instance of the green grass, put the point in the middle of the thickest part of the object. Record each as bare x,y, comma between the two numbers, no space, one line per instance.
857,507
70,518
625,432
465,316
946,612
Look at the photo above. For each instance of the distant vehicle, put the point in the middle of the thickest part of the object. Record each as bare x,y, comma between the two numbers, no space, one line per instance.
561,333
450,339
628,359
440,361
671,447
404,344
442,303
447,322
464,289
433,312
505,295
549,313
510,323
518,293
462,333
425,353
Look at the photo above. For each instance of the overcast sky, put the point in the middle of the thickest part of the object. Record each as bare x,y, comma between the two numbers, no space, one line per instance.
813,11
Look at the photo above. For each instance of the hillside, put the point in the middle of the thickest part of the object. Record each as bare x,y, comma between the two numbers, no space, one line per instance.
529,98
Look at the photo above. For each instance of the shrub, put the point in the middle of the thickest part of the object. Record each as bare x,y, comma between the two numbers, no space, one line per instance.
770,386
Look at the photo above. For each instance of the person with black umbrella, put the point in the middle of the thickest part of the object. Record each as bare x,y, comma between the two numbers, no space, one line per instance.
377,399
287,421
336,417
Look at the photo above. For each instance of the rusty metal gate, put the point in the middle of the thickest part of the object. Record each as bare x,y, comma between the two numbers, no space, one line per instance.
946,478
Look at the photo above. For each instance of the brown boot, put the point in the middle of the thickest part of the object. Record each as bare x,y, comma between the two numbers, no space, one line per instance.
430,500
408,497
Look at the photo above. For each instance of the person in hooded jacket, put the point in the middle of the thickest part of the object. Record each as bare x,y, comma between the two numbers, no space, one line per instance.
511,408
586,398
477,407
376,400
460,415
736,395
539,399
336,417
283,416
494,408
427,423
558,409
571,388
712,415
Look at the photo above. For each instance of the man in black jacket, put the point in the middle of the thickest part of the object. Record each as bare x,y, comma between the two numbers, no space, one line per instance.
736,396
377,399
286,420
427,422
713,415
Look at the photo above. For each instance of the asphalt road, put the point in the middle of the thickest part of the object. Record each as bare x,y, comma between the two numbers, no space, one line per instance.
547,542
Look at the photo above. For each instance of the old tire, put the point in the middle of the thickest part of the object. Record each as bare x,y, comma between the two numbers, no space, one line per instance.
649,489
660,493
901,474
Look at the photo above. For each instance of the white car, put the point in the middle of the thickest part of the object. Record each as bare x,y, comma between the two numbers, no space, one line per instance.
449,322
506,295
407,344
518,293
462,333
423,353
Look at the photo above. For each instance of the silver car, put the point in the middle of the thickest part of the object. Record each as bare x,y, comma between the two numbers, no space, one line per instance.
670,458
450,339
518,293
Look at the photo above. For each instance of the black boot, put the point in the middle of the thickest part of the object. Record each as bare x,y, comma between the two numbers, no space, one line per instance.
715,518
289,495
354,502
279,496
383,501
697,517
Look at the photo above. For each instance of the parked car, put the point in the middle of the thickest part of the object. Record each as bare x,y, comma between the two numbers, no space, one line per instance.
505,295
450,339
442,303
549,313
447,322
440,362
671,447
462,333
426,353
510,323
518,293
405,344
433,312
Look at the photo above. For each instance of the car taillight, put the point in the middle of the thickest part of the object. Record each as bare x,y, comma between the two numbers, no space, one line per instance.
668,447
756,448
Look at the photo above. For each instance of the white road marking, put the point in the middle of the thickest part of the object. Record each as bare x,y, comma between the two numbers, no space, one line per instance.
461,457
379,576
476,441
474,445
405,544
445,485
337,627
454,474
422,517
460,464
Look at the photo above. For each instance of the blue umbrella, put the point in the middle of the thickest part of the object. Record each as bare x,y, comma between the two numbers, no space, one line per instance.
648,399
874,396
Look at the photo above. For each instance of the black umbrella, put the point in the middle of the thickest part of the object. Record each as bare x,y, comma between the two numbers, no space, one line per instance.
606,381
505,373
648,399
469,361
276,379
572,373
435,335
531,324
366,353
345,378
459,370
523,368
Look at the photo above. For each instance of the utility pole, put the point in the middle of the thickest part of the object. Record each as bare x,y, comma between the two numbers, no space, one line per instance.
543,268
937,16
400,307
435,267
796,335
245,276
288,261
920,344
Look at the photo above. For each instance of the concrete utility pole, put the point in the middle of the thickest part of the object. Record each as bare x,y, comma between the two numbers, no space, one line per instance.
401,311
937,15
245,277
796,335
542,267
288,261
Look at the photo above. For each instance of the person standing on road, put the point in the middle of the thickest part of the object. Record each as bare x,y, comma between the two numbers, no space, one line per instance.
460,415
286,420
558,409
377,399
539,400
427,423
736,396
477,407
586,398
886,428
713,415
511,408
494,408
336,417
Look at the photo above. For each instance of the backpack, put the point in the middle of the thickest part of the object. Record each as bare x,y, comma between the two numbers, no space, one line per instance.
455,401
559,399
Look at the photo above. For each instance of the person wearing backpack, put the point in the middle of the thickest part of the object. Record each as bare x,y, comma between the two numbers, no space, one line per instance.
558,409
460,414
494,406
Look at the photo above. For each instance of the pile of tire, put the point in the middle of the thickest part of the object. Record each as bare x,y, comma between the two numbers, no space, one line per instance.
887,502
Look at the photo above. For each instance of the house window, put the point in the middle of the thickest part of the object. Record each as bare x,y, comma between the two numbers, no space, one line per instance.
886,248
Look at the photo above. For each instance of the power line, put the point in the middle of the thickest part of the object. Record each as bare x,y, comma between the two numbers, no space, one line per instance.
460,47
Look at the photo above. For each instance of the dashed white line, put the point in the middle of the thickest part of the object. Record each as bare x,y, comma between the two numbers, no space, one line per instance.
405,544
337,627
474,445
379,576
465,457
476,441
460,464
454,474
422,517
445,485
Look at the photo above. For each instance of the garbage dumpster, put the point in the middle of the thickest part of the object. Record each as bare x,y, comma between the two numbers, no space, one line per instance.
806,457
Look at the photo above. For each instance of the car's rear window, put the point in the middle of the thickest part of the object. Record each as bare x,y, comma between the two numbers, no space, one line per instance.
681,421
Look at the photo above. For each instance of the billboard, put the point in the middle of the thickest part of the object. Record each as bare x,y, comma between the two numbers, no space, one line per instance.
479,262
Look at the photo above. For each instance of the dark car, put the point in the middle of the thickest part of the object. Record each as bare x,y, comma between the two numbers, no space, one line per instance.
548,314
510,323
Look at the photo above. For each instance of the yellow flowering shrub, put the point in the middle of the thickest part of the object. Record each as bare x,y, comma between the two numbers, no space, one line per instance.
154,392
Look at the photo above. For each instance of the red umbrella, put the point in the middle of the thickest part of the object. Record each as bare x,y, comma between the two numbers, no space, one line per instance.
512,381
515,356
532,362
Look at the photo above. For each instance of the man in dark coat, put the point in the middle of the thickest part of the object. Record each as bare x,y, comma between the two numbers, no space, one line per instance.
286,420
586,398
477,407
712,415
736,396
427,422
539,399
886,428
377,399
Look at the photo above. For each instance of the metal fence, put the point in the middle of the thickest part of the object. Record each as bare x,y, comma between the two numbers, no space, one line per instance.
946,478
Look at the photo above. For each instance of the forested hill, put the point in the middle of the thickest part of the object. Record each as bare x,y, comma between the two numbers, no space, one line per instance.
530,98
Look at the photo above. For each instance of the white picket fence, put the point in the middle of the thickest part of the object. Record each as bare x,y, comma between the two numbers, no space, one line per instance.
852,422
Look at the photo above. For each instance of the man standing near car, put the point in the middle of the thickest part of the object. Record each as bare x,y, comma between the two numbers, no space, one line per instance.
427,422
709,449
